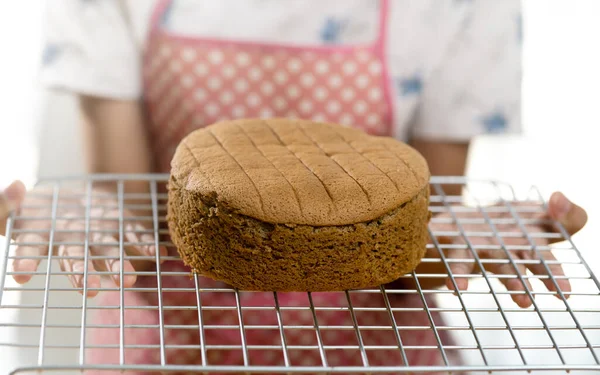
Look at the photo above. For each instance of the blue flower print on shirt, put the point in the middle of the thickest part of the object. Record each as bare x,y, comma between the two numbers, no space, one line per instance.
50,53
331,30
495,122
410,85
519,21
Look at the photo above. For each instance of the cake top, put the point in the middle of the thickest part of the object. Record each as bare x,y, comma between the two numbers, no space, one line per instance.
299,172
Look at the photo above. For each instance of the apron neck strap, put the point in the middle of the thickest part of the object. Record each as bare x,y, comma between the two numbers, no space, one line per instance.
161,10
164,6
384,6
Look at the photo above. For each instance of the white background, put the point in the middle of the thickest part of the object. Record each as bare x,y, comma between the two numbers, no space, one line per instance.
561,112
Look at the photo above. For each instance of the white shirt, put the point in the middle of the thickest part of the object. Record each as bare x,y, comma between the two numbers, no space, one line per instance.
455,64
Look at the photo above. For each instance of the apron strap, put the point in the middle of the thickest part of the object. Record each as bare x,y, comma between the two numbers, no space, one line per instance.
380,48
163,6
160,10
384,6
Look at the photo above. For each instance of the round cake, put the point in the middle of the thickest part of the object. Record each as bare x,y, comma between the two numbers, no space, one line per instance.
294,205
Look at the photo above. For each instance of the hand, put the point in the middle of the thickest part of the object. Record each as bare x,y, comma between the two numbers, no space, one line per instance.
70,234
560,209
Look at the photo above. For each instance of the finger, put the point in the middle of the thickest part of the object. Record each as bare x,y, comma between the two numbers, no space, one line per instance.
73,256
143,244
10,199
28,257
111,260
513,283
462,265
555,270
140,244
75,264
570,215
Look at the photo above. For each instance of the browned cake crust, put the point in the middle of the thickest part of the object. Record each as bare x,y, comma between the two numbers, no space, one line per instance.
297,206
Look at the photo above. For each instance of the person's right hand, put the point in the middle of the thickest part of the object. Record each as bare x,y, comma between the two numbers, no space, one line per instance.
32,235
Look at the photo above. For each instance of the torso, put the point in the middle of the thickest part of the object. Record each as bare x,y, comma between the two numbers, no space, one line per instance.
192,82
338,61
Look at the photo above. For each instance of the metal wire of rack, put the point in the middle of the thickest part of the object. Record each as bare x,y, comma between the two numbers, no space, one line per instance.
479,330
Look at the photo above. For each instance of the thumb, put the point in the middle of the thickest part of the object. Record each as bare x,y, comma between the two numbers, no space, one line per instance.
570,215
10,199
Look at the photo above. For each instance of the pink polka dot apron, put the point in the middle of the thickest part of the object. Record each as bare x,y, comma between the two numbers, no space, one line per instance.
193,82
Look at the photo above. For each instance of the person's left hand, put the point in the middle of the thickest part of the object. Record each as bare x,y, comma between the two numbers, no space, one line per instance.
536,222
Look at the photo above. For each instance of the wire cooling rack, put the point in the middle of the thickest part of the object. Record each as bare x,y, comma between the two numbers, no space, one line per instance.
417,328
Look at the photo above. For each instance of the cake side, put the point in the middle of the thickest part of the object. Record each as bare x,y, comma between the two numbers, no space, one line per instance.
219,242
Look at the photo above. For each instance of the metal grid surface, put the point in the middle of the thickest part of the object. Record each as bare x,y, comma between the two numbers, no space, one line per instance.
560,331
